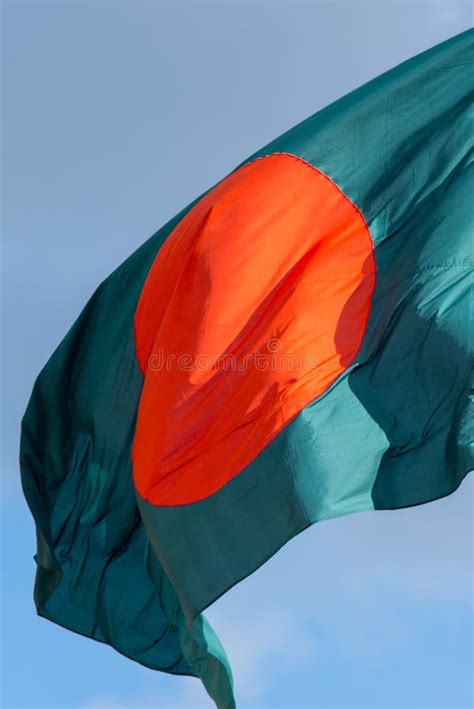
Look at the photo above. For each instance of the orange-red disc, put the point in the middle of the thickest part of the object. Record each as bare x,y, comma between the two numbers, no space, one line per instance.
256,303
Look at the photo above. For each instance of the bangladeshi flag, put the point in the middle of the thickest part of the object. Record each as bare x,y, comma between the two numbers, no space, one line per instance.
292,346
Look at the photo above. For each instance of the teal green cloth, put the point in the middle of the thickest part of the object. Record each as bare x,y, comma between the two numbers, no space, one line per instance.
395,430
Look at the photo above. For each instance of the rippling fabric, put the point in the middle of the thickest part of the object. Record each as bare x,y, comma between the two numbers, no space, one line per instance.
391,429
271,277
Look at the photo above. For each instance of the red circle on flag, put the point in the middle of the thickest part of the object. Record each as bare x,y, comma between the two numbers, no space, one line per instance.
255,304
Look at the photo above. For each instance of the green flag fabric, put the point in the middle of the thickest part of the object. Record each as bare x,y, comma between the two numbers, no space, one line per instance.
295,345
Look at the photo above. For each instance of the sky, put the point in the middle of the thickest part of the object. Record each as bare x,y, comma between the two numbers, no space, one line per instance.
116,115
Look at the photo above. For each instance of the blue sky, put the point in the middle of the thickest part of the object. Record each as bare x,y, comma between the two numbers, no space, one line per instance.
115,115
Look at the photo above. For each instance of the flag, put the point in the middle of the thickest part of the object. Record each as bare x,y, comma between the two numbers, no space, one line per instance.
292,347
